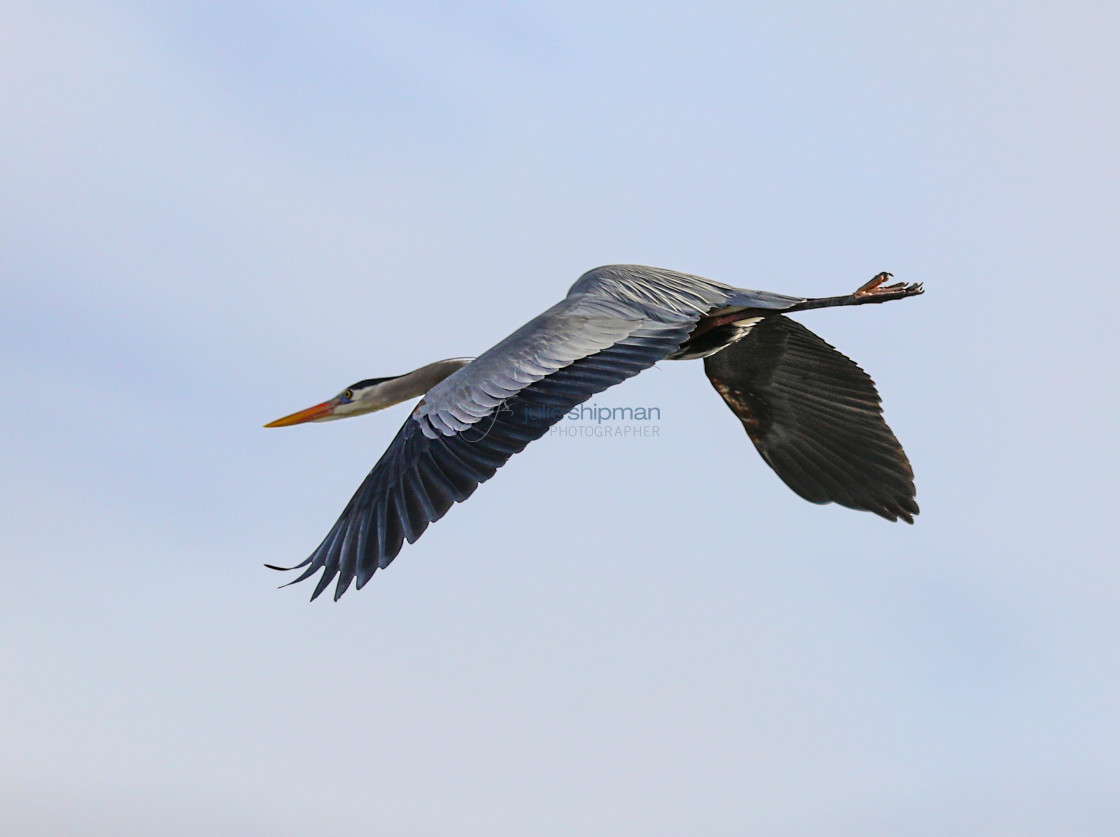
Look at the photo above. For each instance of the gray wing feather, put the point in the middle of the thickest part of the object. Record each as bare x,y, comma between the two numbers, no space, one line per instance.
574,328
604,306
656,289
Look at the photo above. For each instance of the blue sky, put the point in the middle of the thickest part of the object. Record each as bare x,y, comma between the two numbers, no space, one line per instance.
212,215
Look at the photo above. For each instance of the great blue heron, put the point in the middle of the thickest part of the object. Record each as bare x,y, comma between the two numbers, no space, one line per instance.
813,414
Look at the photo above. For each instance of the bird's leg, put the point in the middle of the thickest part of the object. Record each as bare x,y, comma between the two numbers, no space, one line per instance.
720,329
874,291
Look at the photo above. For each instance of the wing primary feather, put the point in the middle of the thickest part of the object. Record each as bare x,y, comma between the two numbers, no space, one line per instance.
815,417
364,574
347,559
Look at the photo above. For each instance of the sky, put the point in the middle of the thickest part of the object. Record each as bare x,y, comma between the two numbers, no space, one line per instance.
215,214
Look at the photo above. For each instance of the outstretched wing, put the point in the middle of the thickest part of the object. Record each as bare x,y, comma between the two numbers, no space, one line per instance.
420,476
615,322
815,418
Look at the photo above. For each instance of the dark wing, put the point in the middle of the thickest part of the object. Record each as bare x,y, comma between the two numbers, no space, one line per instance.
420,476
815,418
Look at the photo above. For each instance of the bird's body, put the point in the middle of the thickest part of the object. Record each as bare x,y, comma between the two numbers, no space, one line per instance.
812,413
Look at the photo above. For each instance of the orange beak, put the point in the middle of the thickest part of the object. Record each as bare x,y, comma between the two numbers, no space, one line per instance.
310,414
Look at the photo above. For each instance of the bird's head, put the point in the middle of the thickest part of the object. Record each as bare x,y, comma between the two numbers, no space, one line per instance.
375,394
362,397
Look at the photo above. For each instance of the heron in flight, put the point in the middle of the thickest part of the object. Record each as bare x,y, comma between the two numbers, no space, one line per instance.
812,413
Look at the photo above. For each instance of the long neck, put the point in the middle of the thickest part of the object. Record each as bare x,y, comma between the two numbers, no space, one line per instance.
419,381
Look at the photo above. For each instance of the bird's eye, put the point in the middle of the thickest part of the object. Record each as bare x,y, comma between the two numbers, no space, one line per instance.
348,395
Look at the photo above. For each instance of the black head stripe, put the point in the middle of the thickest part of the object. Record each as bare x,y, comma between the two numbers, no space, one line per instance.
369,382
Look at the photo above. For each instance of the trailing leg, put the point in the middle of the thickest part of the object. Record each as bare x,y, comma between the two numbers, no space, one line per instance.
874,291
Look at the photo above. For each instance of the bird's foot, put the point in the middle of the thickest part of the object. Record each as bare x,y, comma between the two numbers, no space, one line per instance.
877,288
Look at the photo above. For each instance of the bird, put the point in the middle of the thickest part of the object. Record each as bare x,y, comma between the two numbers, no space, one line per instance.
812,413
